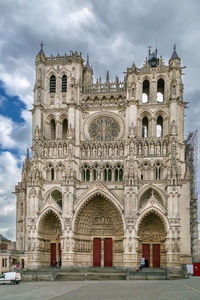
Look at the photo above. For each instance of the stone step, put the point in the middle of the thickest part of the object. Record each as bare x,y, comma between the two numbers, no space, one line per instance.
92,270
147,274
70,276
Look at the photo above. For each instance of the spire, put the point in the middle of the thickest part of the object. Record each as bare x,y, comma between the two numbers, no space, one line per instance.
41,55
87,62
174,54
41,48
107,76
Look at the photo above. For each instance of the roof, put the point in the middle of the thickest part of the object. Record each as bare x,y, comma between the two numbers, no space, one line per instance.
2,238
174,54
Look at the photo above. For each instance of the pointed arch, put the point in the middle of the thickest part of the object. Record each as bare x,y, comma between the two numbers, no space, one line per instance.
156,189
90,195
155,211
45,213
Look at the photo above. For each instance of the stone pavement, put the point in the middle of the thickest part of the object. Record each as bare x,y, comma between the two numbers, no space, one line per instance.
104,290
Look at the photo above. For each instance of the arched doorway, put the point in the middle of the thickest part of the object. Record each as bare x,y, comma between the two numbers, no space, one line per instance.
99,233
49,237
152,236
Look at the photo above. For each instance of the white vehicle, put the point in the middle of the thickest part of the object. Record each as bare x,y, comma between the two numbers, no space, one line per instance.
10,277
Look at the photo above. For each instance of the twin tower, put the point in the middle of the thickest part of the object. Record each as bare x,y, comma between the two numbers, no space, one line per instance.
108,181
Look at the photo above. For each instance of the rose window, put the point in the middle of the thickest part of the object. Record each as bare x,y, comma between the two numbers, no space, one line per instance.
104,128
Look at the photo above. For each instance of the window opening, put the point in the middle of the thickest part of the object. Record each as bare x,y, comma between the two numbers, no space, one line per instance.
87,175
65,128
145,127
159,127
53,129
160,90
145,91
52,87
64,83
52,174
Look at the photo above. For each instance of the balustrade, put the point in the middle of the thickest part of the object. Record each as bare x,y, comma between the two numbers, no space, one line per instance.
107,87
102,150
152,147
58,149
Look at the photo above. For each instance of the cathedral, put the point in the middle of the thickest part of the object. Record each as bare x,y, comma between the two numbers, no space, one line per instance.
108,180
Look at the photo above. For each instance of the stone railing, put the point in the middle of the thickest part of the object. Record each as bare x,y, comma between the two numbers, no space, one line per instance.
99,150
152,147
107,87
55,149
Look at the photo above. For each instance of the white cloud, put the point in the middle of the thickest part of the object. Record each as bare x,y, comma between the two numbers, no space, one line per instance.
16,83
6,128
15,135
10,175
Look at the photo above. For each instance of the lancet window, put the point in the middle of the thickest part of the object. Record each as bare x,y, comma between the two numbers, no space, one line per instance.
158,171
107,173
52,174
145,91
159,126
145,123
64,83
86,173
52,84
64,128
53,129
118,173
160,90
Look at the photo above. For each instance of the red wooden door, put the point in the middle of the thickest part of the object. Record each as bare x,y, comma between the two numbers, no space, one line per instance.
196,269
156,256
53,254
146,254
60,255
108,252
97,252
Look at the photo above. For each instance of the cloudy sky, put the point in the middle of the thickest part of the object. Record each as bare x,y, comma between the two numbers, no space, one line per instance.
114,33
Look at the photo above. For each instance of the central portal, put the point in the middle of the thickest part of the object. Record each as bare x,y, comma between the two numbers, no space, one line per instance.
99,233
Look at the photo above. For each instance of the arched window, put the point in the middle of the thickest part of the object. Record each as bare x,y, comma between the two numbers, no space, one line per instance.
53,129
52,86
118,173
94,174
145,91
158,171
160,90
159,127
64,83
86,173
145,123
107,173
64,128
52,174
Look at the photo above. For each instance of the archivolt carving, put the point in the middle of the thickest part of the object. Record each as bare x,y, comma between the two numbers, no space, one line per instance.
50,226
151,228
99,217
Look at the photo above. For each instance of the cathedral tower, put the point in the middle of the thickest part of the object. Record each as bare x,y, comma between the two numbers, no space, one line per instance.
108,181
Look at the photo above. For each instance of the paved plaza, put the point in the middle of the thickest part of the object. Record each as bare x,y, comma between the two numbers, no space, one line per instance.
163,289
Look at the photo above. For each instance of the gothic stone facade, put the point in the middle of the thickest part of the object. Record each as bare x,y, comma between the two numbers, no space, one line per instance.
107,182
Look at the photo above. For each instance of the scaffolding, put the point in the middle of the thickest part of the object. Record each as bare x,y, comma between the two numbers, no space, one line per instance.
191,153
191,156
